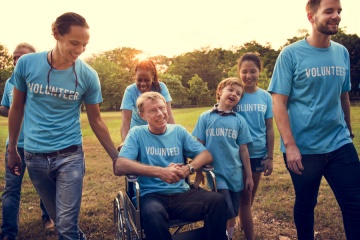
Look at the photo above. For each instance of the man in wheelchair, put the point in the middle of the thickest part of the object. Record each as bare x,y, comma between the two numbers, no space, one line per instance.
155,153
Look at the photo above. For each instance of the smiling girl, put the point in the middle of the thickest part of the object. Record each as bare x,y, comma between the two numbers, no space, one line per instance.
146,80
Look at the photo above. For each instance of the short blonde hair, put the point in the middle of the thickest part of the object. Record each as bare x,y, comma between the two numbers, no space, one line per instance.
148,95
227,82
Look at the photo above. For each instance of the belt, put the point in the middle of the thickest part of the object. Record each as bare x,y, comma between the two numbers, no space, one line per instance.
70,149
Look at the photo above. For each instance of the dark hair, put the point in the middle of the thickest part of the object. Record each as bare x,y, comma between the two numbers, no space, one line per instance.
148,65
250,56
312,6
65,21
25,45
227,82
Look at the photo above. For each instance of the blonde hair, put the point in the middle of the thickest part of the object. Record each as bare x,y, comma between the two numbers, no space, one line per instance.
148,95
227,82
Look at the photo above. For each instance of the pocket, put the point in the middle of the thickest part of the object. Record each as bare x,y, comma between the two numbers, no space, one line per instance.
28,155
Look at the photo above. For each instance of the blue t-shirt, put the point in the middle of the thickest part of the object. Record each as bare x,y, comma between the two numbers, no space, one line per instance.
51,120
222,136
160,150
256,107
129,102
314,79
6,101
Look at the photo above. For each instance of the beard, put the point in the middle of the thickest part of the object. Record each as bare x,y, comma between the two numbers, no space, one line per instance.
324,29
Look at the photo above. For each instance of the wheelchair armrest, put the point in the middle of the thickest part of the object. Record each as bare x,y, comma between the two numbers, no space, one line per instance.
131,178
207,168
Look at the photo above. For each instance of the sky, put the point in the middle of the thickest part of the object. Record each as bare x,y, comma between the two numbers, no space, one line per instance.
164,27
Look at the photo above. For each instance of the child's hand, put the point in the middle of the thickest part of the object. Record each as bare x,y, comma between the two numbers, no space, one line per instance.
249,184
268,168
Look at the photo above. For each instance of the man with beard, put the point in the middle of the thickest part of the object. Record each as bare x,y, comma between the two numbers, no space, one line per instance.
309,87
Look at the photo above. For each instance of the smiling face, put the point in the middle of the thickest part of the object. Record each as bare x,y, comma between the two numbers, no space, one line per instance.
72,44
327,17
249,75
144,80
154,112
229,96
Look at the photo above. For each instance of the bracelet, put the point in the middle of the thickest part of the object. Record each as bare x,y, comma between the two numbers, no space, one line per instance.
269,158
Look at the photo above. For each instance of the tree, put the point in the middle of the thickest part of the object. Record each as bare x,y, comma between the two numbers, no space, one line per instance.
199,93
352,44
211,65
112,81
177,91
6,67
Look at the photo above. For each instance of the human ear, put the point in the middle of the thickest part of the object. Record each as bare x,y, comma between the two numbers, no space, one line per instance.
310,17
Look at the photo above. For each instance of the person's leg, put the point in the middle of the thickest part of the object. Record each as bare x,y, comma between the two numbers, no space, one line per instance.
154,216
343,175
11,199
69,170
45,184
306,188
198,205
47,221
232,204
245,211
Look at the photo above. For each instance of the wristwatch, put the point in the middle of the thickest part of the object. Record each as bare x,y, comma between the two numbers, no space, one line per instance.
191,169
352,135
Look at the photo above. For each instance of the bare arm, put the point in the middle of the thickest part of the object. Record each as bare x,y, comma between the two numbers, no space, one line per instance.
4,111
169,110
282,121
125,124
16,115
270,146
100,129
345,105
244,155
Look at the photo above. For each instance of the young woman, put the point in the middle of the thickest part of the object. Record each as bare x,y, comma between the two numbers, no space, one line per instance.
256,107
146,80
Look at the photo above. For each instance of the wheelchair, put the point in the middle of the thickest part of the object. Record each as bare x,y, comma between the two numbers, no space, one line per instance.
127,218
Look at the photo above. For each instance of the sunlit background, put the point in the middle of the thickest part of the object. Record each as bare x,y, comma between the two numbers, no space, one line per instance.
164,27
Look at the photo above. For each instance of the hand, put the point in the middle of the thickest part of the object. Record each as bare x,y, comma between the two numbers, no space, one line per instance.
268,168
199,178
293,157
14,163
249,184
172,173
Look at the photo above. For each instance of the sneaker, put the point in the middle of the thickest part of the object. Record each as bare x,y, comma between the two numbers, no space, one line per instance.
48,223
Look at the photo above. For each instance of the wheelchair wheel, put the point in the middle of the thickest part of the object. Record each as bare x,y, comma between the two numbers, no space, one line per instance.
119,217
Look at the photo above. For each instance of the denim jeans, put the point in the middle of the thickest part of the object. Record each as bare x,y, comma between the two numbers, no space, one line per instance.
193,205
341,169
58,180
11,199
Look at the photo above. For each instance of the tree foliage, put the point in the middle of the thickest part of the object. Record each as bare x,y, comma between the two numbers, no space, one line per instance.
198,92
6,67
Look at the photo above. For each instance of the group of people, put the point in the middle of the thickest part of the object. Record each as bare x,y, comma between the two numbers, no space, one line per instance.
307,95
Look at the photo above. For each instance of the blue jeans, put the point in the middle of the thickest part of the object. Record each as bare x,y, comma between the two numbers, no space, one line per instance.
193,205
11,199
58,180
341,169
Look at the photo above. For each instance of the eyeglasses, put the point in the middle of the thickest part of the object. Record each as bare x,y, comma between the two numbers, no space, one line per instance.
48,79
156,110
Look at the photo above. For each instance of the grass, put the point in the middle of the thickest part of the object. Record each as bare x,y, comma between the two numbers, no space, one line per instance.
272,207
